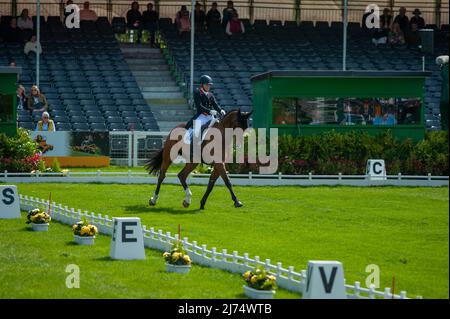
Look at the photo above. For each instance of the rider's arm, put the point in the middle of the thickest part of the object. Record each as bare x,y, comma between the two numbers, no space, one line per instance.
215,105
198,104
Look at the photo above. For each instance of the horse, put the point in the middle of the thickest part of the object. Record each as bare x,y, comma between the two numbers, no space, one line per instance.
161,161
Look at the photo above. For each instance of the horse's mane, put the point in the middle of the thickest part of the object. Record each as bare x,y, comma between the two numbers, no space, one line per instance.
226,116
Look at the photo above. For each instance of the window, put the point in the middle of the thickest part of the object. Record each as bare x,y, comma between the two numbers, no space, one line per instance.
6,108
346,111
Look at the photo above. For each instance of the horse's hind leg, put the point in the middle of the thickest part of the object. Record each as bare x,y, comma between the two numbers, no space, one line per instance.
182,176
162,175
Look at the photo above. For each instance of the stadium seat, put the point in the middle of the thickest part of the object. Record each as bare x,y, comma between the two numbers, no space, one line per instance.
60,126
96,119
111,119
27,125
99,127
81,127
61,119
117,127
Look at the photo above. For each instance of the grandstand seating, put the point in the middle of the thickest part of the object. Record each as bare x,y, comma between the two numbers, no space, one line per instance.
232,61
89,85
84,76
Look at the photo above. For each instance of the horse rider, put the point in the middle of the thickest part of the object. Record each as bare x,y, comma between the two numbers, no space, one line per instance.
205,104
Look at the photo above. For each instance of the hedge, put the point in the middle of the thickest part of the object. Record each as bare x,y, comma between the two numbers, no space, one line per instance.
19,153
331,153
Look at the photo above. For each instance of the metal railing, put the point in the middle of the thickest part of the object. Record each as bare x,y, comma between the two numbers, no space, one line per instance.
134,148
284,10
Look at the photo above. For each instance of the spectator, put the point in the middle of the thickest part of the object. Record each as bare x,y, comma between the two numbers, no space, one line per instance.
182,20
21,98
386,20
32,45
213,18
378,119
413,39
13,33
199,16
396,36
36,101
45,124
25,23
402,20
134,20
381,34
87,14
235,26
389,118
417,19
150,19
228,13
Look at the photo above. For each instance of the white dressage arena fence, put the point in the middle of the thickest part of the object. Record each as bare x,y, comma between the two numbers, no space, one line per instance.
237,179
287,278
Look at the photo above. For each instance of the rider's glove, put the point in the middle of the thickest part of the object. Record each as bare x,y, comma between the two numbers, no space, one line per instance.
223,112
213,112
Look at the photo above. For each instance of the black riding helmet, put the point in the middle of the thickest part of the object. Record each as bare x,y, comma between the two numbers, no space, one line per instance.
206,79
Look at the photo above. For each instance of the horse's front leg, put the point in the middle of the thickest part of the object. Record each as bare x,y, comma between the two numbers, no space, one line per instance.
212,180
182,176
224,175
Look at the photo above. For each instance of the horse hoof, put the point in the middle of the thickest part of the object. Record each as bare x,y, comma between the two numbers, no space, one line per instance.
202,207
238,204
151,203
185,204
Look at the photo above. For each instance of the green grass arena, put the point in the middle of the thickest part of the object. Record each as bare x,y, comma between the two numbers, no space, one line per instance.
402,230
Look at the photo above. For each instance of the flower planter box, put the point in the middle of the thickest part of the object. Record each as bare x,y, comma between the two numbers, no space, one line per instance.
181,269
84,240
39,227
258,294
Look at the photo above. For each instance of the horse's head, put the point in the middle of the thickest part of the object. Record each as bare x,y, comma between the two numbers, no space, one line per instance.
236,118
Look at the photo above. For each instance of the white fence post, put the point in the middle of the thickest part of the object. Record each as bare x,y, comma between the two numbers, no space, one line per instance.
357,289
246,259
279,267
267,265
387,293
372,291
194,246
290,272
235,257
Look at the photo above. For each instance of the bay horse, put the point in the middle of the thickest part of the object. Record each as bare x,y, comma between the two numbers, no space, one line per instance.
161,161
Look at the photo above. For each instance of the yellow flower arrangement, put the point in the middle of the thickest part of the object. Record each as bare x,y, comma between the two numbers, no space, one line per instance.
83,228
260,279
38,216
187,259
177,256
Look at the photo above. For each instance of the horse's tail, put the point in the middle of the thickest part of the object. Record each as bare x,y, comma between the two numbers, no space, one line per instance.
153,165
